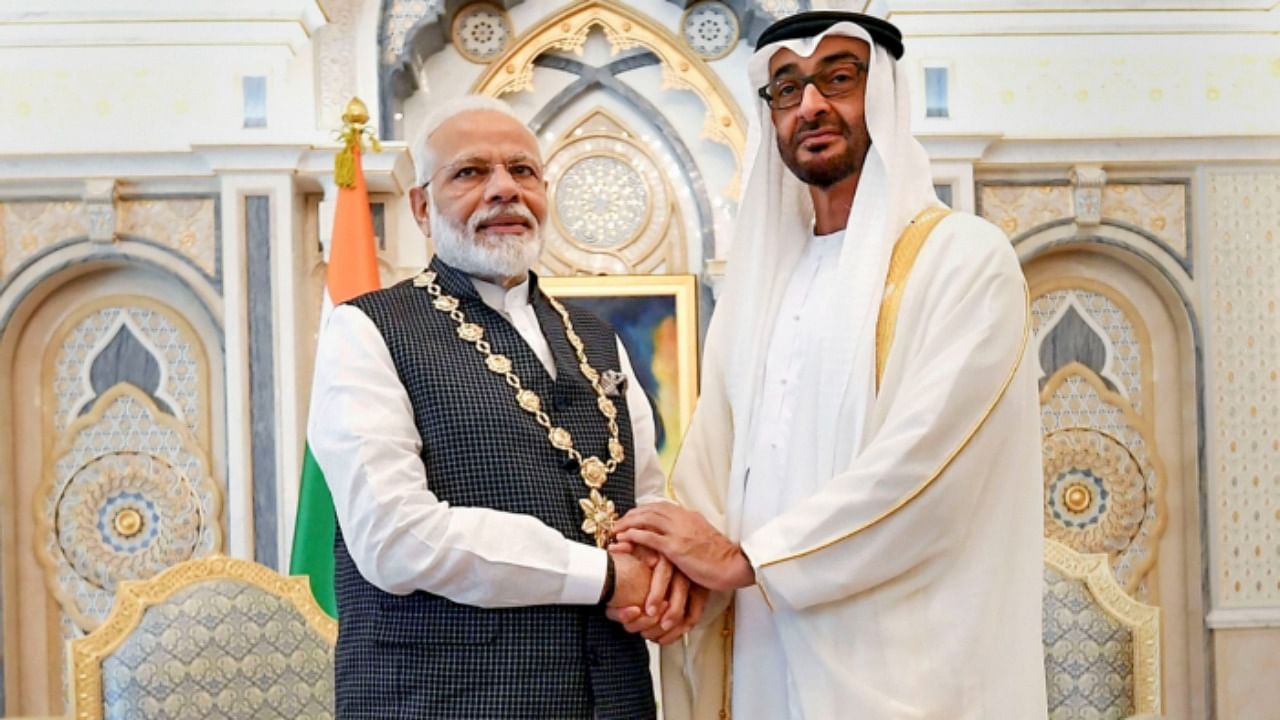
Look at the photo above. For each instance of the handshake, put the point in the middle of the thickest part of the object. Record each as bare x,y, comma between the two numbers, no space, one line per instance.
666,561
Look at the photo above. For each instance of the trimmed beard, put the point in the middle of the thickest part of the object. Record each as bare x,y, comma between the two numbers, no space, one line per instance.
827,172
489,257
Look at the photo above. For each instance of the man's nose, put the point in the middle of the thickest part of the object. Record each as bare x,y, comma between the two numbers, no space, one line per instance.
501,187
813,104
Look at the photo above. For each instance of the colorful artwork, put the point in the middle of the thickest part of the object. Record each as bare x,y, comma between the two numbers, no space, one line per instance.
656,317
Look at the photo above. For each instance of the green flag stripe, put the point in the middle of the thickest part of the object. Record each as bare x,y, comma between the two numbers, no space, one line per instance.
312,553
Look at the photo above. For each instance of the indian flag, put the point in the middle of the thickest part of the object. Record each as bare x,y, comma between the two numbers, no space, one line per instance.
352,271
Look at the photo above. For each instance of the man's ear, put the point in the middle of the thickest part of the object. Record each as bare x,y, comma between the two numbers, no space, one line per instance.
420,204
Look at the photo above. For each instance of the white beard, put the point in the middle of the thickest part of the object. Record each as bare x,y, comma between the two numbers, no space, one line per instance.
489,257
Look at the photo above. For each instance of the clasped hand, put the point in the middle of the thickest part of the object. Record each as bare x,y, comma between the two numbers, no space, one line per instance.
686,557
651,597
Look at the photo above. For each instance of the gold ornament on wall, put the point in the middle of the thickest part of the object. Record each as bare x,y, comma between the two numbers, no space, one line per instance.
614,211
481,32
1095,493
710,28
127,494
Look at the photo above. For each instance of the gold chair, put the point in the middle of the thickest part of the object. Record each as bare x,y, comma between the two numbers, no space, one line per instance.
1102,647
210,638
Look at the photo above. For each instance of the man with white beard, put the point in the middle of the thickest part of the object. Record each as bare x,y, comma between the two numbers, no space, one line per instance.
479,440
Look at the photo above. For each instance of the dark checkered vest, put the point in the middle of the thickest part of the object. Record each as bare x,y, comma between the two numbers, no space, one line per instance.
422,656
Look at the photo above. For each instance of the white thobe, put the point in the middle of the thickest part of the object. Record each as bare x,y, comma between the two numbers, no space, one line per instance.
401,536
906,583
761,687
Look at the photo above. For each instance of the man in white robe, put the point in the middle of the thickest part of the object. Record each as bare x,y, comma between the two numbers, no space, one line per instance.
860,485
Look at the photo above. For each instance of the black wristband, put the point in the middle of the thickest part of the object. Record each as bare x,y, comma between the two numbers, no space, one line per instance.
610,580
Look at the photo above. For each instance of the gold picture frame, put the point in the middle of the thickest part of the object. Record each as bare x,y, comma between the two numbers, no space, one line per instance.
656,316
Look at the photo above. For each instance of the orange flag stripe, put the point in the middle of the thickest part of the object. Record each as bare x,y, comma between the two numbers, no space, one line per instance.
353,255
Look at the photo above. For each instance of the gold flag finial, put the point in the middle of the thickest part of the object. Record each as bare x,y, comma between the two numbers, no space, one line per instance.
353,134
356,112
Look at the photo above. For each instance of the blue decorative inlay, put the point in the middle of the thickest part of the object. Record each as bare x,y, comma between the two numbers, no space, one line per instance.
1097,492
119,502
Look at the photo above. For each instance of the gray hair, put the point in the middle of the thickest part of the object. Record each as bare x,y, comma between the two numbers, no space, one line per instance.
423,158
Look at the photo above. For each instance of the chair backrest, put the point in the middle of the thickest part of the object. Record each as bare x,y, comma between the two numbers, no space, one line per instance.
1101,647
210,638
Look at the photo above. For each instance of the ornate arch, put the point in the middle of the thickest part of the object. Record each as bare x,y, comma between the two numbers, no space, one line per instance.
1141,274
128,487
625,29
61,262
1104,423
410,31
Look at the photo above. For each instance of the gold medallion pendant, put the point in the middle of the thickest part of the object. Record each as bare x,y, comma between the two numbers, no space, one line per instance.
599,513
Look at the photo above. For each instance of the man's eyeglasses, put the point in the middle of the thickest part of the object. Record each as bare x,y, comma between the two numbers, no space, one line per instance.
470,173
835,81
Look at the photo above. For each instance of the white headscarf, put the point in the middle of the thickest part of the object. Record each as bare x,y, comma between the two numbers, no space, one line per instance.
773,226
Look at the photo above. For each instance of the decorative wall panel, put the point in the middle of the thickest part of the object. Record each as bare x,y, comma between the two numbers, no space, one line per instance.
1019,208
711,29
481,31
121,343
336,57
1158,208
1244,364
625,29
1155,208
398,18
128,488
613,212
1127,362
1088,655
1103,477
127,496
186,226
27,227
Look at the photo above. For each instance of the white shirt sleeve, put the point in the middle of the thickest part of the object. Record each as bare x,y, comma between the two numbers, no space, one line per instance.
651,481
401,536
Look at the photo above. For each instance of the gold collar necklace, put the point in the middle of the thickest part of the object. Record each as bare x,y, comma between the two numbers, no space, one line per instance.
599,511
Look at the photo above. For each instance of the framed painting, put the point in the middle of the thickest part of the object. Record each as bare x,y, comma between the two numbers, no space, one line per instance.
656,316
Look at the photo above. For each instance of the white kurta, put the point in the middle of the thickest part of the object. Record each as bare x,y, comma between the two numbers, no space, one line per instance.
906,583
401,537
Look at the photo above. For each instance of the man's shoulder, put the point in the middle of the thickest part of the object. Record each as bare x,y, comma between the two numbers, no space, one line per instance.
391,295
398,290
393,306
973,232
965,240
